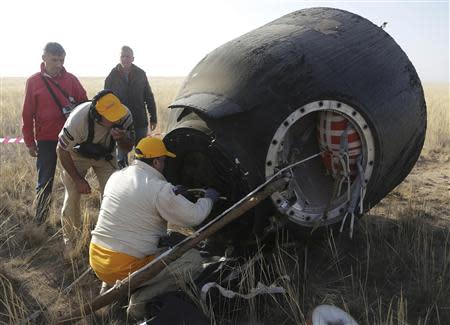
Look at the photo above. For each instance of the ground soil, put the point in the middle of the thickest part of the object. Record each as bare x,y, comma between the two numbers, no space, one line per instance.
426,188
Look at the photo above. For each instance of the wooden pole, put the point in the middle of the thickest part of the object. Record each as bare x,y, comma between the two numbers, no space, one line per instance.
149,271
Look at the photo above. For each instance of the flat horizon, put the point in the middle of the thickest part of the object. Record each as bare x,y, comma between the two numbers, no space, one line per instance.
178,77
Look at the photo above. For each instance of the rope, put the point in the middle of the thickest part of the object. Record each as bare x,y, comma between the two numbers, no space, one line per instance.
357,195
363,184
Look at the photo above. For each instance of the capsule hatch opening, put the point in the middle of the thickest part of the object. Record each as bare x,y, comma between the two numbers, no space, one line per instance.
322,190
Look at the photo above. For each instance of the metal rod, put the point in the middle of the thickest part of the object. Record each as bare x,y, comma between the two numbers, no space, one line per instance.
69,288
133,281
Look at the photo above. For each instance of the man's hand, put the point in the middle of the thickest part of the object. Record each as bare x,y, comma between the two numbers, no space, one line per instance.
33,151
179,189
171,239
82,186
118,134
212,194
122,139
152,126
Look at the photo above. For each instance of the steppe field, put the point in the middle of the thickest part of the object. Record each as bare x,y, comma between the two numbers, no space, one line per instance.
395,270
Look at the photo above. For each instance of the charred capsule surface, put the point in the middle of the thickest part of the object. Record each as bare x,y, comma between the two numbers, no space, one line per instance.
316,80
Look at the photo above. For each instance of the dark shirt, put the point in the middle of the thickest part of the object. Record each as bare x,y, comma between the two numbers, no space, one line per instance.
134,92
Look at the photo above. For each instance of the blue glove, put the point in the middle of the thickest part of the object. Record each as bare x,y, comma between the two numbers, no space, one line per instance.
212,194
171,239
179,189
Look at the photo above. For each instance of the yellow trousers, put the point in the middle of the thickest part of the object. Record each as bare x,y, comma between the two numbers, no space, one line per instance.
110,266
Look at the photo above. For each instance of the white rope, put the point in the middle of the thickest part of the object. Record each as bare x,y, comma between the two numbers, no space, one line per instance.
259,290
343,222
344,160
363,185
341,182
359,186
352,222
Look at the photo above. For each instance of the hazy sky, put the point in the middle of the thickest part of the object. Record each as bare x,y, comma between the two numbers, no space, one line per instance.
169,37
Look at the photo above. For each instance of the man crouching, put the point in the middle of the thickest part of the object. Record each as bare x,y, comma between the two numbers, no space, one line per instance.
88,140
137,204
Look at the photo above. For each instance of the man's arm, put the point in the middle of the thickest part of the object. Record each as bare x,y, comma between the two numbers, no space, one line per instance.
66,161
28,114
178,210
108,82
150,102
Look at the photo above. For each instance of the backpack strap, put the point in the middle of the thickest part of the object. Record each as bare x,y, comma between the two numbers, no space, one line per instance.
52,93
90,137
57,85
91,127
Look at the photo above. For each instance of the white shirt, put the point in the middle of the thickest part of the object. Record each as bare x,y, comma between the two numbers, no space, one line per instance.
137,204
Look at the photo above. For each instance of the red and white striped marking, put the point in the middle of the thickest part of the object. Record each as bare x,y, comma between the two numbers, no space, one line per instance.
331,126
8,140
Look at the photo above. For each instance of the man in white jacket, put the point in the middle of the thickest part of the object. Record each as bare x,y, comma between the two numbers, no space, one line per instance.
137,204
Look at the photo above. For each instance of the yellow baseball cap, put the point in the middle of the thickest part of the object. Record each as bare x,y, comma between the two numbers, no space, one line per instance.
110,107
150,147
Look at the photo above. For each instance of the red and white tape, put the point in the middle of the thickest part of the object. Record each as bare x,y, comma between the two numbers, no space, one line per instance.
8,140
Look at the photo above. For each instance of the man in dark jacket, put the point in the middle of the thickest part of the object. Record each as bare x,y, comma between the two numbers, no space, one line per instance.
49,94
130,84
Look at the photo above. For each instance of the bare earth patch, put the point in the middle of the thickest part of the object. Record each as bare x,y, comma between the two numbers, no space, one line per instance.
427,189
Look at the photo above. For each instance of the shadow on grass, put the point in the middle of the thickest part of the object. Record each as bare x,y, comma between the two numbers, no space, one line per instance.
391,272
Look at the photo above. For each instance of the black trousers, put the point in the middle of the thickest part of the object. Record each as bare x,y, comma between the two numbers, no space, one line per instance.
46,166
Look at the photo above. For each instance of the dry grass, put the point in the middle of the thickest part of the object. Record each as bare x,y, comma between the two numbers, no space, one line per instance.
14,306
438,107
392,272
395,271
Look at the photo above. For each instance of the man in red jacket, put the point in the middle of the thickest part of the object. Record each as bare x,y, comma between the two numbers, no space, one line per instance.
49,94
